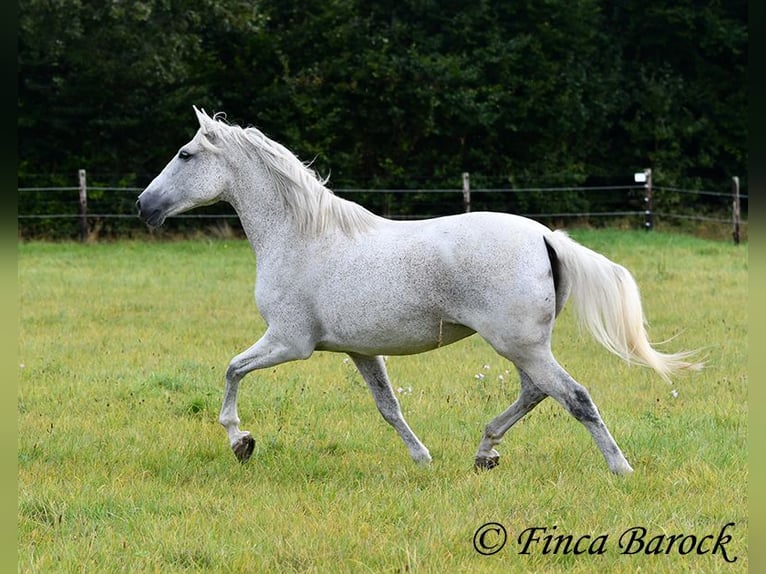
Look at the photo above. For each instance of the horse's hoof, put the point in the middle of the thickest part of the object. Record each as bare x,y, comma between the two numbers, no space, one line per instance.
486,462
421,457
243,448
623,470
423,461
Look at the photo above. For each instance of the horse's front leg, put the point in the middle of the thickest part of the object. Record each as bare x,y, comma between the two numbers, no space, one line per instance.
270,350
374,372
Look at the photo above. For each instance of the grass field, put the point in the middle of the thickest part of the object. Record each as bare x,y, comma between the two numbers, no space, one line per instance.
122,466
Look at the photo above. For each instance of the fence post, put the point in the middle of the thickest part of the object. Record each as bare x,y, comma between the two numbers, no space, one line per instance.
83,205
466,192
648,214
735,208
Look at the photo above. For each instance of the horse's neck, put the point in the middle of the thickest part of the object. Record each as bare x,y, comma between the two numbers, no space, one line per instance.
273,231
271,225
261,237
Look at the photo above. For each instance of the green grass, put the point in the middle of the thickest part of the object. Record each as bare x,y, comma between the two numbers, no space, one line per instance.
122,466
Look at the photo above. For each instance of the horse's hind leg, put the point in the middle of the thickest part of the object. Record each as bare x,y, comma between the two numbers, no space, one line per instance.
374,372
553,380
529,397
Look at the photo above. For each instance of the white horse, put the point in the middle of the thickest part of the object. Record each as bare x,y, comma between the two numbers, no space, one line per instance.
333,276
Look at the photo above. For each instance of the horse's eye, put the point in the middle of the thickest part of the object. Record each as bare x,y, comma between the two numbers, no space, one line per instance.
184,155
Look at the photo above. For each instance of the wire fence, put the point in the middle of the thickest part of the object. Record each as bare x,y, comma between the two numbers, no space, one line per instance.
90,212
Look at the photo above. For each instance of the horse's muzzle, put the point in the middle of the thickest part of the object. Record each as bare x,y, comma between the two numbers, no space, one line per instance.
151,215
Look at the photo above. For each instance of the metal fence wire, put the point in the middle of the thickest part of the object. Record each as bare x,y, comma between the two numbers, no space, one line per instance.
70,211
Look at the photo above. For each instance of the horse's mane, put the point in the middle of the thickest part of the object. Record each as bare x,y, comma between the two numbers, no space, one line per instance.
315,208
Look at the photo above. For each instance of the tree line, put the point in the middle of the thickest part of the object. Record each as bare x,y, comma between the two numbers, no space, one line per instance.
394,93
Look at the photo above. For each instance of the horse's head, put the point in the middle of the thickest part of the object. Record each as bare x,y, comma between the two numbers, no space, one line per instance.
194,177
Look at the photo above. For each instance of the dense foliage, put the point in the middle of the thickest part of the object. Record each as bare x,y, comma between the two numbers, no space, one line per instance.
392,94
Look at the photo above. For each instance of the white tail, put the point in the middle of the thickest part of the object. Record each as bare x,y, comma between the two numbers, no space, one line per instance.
608,304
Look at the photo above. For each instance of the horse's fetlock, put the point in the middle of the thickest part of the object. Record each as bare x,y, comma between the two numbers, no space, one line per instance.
492,434
227,422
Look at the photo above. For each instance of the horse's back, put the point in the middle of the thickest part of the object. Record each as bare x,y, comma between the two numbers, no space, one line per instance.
481,237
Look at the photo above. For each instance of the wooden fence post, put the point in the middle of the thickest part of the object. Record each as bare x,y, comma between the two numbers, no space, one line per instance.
649,214
735,208
466,192
83,205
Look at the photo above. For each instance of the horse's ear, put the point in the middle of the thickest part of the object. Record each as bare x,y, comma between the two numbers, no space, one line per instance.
206,124
203,119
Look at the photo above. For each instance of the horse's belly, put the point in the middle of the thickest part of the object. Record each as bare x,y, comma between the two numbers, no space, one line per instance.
404,338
